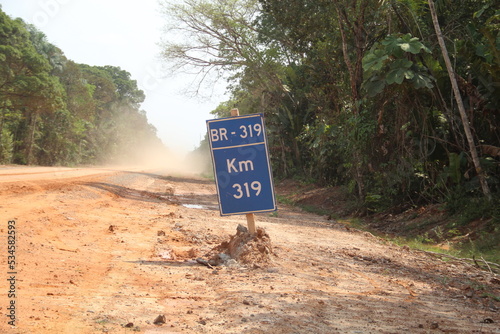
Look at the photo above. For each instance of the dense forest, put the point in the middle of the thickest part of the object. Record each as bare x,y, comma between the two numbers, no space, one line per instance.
360,94
54,111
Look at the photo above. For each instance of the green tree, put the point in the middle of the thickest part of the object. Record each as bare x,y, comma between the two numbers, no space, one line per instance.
461,108
118,125
26,88
221,37
397,128
54,111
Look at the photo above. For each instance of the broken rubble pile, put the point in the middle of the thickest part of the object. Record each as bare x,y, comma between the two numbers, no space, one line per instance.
244,247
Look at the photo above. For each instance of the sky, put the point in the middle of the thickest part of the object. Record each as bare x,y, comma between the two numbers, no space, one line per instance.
126,33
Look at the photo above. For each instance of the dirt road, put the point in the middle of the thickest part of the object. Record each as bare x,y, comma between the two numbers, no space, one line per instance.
114,251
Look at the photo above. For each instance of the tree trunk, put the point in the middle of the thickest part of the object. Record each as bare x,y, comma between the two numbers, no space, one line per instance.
2,149
461,108
355,78
30,140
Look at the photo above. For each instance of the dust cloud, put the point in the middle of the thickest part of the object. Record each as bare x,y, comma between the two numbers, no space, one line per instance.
159,157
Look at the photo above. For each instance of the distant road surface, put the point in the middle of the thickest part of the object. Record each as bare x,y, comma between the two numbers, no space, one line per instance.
14,173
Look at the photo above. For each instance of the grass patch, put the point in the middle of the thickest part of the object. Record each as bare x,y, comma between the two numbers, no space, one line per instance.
355,223
314,210
423,244
490,295
464,227
306,207
486,246
284,200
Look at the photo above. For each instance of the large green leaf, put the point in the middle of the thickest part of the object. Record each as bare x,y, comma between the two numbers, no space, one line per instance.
396,76
374,61
401,63
374,86
400,69
392,46
422,81
396,46
412,45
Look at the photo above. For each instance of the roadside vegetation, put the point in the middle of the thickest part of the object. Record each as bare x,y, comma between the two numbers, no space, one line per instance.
395,101
54,111
470,233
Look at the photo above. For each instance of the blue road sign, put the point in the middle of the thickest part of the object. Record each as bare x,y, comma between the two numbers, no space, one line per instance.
241,164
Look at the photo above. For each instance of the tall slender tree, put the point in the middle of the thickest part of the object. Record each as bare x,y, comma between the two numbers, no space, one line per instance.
456,91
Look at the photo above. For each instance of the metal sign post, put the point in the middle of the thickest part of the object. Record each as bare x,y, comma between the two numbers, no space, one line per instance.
241,165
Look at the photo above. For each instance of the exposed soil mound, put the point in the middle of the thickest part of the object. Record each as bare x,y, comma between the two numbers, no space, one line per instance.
245,248
324,200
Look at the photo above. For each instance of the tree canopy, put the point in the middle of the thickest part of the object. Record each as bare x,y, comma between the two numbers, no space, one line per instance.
54,111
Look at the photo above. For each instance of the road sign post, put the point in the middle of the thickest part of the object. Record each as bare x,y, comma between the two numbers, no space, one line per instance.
241,165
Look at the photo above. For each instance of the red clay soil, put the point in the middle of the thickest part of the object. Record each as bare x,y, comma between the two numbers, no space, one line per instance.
129,251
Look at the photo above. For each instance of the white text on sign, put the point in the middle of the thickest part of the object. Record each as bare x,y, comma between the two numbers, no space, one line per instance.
244,166
255,185
248,131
